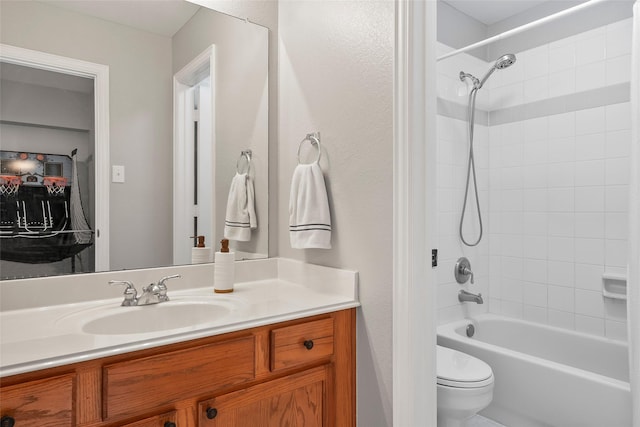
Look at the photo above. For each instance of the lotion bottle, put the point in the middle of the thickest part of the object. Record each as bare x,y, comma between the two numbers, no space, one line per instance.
224,269
200,253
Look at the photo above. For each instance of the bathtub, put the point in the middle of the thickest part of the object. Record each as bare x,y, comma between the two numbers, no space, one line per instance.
546,376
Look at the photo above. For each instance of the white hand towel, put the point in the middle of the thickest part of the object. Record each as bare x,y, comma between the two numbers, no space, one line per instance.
309,218
241,211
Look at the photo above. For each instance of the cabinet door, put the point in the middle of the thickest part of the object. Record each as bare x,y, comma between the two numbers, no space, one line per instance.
296,400
42,403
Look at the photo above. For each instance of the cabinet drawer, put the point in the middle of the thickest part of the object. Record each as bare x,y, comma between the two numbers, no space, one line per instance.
300,344
41,403
152,382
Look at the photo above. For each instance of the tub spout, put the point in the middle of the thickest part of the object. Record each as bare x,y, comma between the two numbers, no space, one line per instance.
464,296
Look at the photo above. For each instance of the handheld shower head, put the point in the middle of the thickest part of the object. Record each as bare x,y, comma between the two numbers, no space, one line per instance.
505,61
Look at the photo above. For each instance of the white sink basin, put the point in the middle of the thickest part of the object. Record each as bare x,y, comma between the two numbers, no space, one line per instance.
166,316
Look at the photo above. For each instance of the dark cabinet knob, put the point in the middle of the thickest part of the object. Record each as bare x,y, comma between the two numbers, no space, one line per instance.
169,424
212,413
7,421
308,344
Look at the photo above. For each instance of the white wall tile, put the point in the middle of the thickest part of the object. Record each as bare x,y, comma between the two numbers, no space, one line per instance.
562,125
590,50
589,276
617,198
591,120
536,129
591,76
535,62
617,225
535,270
535,223
590,146
563,57
591,173
511,309
618,116
590,199
590,225
618,70
589,303
618,37
561,298
561,273
562,83
536,89
617,171
561,224
618,143
560,199
535,247
589,251
616,253
535,294
561,149
561,174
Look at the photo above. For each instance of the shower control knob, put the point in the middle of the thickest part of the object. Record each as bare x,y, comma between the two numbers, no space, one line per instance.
462,270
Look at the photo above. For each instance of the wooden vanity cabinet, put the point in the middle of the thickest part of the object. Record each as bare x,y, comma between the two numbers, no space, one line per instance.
295,373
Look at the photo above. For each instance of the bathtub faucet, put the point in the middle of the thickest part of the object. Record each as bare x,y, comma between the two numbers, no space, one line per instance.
464,296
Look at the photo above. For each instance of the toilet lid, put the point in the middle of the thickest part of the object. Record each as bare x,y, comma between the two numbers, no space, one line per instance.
457,369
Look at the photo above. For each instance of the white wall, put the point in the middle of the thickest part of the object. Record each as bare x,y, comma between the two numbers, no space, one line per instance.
336,77
557,156
140,117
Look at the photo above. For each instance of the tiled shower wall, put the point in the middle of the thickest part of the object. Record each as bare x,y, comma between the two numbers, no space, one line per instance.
556,176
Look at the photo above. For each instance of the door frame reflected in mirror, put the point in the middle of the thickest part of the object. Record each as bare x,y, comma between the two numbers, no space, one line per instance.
184,206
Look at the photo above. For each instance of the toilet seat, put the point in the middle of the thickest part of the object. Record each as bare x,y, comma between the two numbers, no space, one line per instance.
460,370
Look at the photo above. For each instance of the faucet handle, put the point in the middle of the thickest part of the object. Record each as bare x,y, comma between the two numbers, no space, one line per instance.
164,279
162,288
462,270
130,293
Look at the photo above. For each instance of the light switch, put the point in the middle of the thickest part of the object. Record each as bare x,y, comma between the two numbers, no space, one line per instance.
117,173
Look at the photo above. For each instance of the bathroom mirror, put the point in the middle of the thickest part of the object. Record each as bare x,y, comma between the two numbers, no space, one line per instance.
142,63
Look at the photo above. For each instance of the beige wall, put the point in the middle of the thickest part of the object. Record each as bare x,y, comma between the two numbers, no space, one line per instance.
140,96
336,77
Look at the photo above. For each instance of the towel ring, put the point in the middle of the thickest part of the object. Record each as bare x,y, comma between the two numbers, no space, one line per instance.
314,139
246,154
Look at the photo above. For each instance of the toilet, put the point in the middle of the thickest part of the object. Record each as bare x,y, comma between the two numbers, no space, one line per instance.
465,386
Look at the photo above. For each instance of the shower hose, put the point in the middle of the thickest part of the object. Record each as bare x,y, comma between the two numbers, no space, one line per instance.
471,169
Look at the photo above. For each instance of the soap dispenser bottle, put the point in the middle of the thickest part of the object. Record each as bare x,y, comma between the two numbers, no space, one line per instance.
200,253
224,269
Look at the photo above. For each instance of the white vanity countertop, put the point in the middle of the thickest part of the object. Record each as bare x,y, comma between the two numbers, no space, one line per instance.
36,338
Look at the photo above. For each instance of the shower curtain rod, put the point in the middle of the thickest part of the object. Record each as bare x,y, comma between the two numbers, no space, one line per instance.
522,28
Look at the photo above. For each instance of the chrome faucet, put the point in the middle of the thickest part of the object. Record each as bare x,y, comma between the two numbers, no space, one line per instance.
153,294
156,292
466,296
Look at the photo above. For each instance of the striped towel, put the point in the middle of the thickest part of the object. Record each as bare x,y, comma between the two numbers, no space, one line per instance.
309,218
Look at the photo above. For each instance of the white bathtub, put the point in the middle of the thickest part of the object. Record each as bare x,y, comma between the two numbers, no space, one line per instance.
546,376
